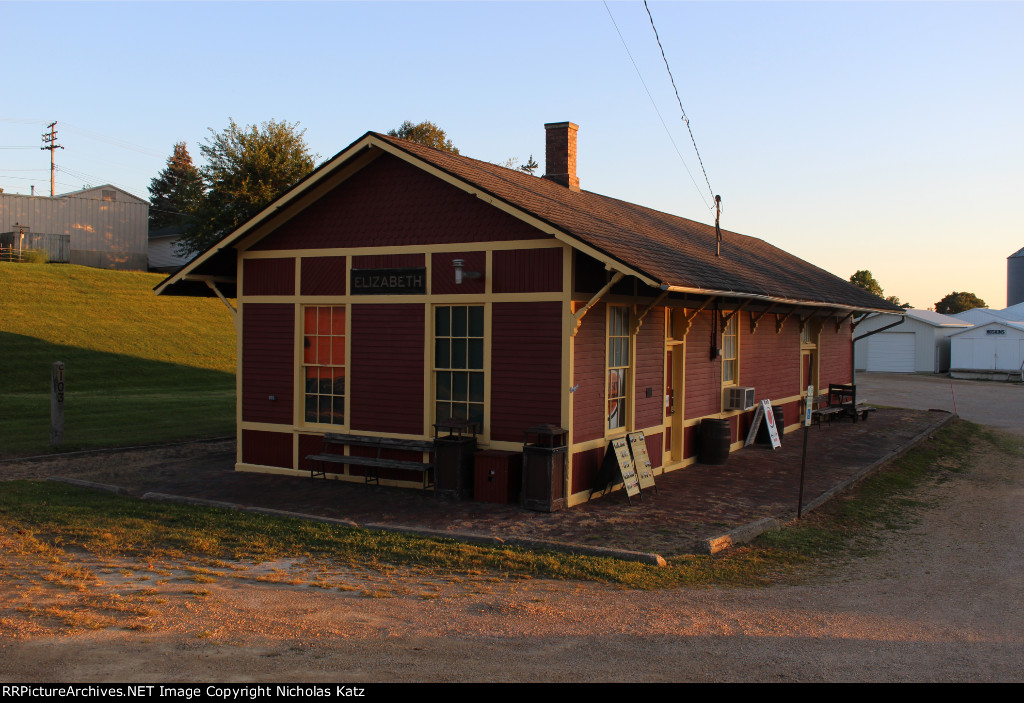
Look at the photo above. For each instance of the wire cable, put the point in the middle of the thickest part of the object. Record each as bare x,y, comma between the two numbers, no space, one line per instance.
678,99
655,105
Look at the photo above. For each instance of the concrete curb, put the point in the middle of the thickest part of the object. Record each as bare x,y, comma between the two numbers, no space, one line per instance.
167,497
90,484
750,531
610,552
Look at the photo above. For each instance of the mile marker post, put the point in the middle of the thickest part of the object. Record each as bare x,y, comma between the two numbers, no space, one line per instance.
57,403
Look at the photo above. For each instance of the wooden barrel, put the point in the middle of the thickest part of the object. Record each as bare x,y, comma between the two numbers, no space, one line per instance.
715,438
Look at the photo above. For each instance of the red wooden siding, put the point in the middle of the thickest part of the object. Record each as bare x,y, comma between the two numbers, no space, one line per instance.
442,279
770,362
691,438
527,271
268,277
314,444
588,369
590,276
267,448
387,368
392,203
649,369
703,386
268,362
653,442
585,466
323,275
526,368
835,354
388,261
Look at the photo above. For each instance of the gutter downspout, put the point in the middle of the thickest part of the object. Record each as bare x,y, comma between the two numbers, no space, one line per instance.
853,371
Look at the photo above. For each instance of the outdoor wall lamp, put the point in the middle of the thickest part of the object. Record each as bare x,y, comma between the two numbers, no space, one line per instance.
460,274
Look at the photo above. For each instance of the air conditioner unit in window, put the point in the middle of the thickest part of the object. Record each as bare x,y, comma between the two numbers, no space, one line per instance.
739,398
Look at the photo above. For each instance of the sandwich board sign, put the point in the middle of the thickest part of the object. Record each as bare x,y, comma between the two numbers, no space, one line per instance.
764,412
627,469
641,460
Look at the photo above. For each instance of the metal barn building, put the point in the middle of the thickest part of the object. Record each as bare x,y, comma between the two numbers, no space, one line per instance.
919,345
104,227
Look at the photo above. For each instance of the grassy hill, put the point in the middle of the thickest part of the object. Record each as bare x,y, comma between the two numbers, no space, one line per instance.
139,368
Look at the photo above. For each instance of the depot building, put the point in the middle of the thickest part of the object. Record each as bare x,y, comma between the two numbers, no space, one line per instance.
398,286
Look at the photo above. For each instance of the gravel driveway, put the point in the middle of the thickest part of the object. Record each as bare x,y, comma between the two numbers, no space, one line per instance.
985,402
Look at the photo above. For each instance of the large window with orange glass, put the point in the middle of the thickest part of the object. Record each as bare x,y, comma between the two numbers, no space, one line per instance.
323,364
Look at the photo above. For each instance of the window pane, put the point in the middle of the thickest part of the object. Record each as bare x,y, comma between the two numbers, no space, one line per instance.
476,353
338,351
442,354
459,321
458,353
460,392
616,415
459,411
323,320
442,320
476,387
444,385
338,321
309,350
339,411
443,411
476,414
476,321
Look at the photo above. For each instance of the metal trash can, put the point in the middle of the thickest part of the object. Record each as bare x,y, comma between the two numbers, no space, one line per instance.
713,441
544,465
453,458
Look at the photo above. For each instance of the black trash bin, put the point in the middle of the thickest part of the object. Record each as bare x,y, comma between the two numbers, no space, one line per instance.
453,458
544,463
713,441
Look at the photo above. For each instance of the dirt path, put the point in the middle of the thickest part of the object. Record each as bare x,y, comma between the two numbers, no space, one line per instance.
940,602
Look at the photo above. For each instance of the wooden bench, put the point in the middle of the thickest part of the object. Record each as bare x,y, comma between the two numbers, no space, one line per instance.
839,402
372,465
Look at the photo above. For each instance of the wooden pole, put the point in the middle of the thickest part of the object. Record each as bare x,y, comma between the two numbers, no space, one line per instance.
57,403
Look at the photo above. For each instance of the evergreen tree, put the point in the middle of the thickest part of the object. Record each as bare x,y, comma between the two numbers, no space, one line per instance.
247,169
176,192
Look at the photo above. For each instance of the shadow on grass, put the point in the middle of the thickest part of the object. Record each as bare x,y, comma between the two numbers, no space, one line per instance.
111,399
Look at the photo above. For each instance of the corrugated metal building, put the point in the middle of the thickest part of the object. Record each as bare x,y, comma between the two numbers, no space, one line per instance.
919,345
107,226
398,285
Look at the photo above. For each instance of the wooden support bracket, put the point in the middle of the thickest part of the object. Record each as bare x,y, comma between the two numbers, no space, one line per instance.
213,286
780,322
726,318
755,320
577,317
839,322
647,310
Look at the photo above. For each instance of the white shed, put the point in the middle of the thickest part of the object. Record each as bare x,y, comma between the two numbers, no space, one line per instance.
994,350
919,345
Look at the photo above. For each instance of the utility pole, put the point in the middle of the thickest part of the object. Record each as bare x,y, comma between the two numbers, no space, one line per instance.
49,144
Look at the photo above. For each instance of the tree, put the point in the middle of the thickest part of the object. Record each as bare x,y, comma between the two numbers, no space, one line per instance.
247,169
958,302
513,163
176,192
426,133
864,279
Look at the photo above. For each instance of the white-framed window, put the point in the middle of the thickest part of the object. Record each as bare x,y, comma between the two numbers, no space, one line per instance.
617,390
459,363
323,364
730,352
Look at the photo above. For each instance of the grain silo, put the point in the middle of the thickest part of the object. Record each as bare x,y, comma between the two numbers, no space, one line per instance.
1015,278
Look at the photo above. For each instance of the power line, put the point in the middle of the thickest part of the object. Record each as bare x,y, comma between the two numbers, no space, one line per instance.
685,118
656,110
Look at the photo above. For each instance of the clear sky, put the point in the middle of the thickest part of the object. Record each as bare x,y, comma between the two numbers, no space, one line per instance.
877,135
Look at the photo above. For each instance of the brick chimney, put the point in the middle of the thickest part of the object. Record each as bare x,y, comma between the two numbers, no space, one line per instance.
560,154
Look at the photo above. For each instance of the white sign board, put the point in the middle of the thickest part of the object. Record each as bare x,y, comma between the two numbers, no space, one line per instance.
809,406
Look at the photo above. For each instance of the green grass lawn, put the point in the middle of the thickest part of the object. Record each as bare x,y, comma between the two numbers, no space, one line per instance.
140,368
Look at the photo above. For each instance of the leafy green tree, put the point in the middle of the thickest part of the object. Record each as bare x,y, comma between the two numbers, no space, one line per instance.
958,302
176,192
426,133
864,279
247,169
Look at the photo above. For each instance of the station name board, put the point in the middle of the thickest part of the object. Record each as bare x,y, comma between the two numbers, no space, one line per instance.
410,281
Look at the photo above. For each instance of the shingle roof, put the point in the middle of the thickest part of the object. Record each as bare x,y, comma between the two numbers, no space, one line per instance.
671,250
